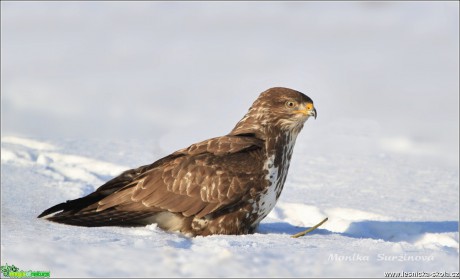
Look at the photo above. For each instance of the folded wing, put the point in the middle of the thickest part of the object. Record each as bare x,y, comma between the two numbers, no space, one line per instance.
196,181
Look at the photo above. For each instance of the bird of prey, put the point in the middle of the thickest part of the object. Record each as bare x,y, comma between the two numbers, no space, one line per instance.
223,185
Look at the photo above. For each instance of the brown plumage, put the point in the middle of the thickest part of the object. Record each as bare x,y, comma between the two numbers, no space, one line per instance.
224,185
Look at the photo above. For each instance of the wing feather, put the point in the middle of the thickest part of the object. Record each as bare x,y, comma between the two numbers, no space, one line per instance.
201,179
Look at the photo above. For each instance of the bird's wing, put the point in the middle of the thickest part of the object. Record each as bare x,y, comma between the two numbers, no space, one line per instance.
198,180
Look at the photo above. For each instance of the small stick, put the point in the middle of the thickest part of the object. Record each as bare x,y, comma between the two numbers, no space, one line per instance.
310,229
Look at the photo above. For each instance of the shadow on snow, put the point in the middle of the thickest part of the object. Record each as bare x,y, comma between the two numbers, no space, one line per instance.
393,231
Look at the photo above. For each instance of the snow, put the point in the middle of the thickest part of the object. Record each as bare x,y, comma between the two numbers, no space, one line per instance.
81,103
382,217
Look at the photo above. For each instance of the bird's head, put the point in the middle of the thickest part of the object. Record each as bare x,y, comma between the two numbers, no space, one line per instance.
277,108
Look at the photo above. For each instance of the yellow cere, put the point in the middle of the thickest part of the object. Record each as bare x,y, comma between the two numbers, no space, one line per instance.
309,106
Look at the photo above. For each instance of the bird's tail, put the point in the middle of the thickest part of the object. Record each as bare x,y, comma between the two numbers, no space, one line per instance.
73,206
82,212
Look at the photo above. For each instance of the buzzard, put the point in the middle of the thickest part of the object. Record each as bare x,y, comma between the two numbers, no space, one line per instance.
223,185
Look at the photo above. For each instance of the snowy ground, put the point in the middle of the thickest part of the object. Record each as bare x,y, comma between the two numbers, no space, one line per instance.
385,214
86,87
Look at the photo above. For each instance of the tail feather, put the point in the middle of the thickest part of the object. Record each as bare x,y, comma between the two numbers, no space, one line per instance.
73,206
82,212
86,211
108,217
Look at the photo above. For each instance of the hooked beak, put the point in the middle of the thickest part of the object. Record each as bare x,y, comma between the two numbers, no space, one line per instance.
312,113
309,110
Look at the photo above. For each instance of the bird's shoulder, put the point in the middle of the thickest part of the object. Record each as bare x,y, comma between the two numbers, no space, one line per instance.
224,145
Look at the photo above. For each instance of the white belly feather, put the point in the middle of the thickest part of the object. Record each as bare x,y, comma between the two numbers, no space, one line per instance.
276,180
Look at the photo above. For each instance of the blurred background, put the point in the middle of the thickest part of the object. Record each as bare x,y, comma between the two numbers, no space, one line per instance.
381,74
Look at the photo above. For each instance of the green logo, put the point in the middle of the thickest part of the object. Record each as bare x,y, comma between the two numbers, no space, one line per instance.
14,272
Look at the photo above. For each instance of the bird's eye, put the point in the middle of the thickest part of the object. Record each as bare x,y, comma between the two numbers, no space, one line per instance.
290,104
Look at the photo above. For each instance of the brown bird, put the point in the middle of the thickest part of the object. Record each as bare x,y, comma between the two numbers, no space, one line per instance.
223,185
